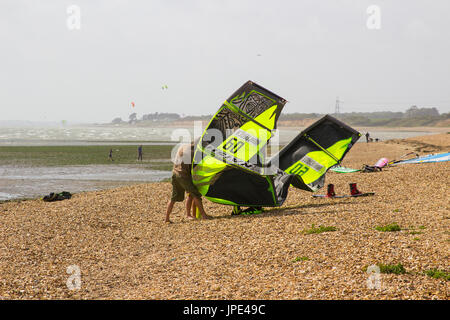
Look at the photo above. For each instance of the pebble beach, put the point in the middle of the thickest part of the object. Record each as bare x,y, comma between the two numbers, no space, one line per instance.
122,248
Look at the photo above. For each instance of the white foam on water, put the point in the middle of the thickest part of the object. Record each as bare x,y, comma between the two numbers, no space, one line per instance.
9,196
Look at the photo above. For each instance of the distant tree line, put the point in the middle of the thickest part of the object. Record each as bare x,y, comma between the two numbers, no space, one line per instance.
415,112
157,116
161,116
299,116
413,116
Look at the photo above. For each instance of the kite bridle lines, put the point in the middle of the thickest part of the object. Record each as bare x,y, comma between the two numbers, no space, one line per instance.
323,149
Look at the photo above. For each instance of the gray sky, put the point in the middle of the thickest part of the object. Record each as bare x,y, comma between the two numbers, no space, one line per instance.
309,52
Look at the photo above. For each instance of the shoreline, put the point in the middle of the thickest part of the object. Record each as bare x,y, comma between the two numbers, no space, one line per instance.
106,175
160,136
285,124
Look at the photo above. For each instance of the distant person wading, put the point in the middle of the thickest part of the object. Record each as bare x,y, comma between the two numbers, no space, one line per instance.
140,153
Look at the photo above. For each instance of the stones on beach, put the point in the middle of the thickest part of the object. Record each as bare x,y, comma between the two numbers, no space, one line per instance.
125,251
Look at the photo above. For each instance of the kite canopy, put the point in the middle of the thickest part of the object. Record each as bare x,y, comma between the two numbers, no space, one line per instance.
441,157
315,150
229,160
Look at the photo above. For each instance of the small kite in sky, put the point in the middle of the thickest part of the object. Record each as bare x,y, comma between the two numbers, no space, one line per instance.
164,87
132,104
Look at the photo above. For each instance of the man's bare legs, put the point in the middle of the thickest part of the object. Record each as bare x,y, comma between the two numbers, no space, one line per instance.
189,204
199,204
169,210
194,209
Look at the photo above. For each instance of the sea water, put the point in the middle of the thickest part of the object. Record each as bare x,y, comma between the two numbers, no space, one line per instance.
100,135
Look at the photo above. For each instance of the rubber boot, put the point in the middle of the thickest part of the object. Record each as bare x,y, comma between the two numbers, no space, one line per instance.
330,191
354,190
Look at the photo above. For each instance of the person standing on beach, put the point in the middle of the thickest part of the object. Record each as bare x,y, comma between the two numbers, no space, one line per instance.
140,153
367,137
110,155
182,182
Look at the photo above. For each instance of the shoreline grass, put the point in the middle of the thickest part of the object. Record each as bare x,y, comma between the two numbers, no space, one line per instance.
438,274
297,259
320,229
393,227
389,268
154,156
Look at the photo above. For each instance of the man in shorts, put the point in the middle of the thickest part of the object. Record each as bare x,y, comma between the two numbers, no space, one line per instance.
182,181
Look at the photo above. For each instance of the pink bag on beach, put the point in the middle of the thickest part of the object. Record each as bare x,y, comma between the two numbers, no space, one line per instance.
381,163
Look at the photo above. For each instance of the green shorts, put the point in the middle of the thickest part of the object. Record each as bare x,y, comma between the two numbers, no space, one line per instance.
181,185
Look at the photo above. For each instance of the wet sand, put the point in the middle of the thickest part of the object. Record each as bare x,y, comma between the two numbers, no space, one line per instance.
124,250
33,182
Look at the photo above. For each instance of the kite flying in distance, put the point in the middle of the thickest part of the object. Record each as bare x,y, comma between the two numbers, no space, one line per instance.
164,87
132,104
